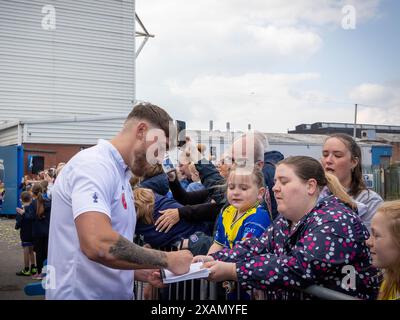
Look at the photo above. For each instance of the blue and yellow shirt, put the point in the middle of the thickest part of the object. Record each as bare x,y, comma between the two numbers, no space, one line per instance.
231,230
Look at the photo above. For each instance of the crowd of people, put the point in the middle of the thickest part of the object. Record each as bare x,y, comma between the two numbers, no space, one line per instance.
258,221
33,220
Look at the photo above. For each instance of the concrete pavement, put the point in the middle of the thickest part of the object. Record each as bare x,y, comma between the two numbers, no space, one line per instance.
11,261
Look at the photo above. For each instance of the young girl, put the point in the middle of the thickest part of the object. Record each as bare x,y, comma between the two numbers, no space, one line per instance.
244,217
39,212
384,243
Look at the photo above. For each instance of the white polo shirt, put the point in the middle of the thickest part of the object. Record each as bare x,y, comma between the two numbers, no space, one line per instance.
96,179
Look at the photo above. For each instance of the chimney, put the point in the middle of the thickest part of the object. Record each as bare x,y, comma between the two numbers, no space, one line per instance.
249,127
211,125
228,126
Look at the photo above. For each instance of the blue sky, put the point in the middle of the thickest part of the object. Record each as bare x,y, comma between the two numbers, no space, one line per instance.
274,64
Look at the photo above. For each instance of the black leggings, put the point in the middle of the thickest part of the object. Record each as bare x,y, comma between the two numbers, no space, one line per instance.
40,247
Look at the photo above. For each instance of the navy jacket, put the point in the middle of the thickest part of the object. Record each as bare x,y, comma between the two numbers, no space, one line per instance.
24,224
179,231
40,227
271,158
159,184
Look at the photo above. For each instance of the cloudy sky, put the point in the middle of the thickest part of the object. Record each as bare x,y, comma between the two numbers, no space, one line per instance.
272,63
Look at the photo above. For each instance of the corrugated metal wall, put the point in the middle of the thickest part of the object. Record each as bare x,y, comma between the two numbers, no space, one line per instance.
87,132
9,136
84,67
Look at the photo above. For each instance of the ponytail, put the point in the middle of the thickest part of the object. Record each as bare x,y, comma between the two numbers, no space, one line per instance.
338,190
37,191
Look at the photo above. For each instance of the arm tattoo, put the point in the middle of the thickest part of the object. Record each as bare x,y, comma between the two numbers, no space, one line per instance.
128,251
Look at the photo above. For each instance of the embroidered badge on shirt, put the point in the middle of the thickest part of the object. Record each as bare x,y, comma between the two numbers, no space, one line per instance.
123,199
95,197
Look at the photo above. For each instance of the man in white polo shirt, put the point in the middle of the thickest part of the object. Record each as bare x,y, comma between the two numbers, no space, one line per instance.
91,254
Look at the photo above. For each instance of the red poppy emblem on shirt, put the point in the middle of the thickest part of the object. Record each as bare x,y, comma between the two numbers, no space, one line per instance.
124,201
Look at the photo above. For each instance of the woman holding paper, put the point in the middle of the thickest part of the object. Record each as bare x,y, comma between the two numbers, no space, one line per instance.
314,241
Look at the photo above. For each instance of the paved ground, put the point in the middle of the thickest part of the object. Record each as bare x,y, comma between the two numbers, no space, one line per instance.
11,260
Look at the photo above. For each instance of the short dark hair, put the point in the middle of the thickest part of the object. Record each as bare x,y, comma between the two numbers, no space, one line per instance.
157,116
26,196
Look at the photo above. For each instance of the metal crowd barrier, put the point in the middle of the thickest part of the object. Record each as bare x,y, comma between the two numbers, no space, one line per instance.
327,294
207,290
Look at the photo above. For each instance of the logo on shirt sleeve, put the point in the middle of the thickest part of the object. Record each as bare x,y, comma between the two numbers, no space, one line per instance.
95,197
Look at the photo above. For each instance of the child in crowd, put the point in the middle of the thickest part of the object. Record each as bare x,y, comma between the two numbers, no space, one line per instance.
24,224
244,218
384,244
39,212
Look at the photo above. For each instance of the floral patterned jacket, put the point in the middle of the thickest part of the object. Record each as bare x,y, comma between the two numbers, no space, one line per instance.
326,247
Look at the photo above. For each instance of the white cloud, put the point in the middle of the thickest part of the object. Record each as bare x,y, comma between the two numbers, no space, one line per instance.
267,101
379,104
285,41
213,59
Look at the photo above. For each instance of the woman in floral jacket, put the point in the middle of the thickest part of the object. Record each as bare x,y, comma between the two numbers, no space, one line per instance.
313,241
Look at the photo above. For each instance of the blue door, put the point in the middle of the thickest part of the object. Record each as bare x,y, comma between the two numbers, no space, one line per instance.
11,173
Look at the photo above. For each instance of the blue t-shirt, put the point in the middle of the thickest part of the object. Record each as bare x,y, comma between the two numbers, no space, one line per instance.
231,230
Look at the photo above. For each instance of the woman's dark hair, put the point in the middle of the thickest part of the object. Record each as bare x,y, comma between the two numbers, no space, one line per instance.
37,191
357,181
309,168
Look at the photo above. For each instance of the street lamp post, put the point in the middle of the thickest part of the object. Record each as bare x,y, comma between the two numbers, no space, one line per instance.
355,122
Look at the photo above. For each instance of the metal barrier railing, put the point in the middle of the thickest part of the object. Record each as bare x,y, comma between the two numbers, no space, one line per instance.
327,294
208,290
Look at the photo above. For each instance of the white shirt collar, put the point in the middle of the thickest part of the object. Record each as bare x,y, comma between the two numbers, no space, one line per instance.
115,153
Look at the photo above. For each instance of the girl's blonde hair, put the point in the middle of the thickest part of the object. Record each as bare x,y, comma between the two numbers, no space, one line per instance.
256,173
144,205
391,212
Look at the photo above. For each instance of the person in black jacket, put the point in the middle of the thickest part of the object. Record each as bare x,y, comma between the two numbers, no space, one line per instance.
24,225
39,212
148,205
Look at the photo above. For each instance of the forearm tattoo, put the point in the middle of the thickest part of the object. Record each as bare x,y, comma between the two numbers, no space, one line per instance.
125,250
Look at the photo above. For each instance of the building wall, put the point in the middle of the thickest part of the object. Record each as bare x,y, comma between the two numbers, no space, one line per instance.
9,136
84,66
71,132
395,152
287,150
52,153
278,142
378,152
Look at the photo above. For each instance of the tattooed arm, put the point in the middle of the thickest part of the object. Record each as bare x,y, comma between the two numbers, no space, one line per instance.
100,243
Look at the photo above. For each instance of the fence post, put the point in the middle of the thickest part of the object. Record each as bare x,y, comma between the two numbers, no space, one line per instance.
213,290
203,289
